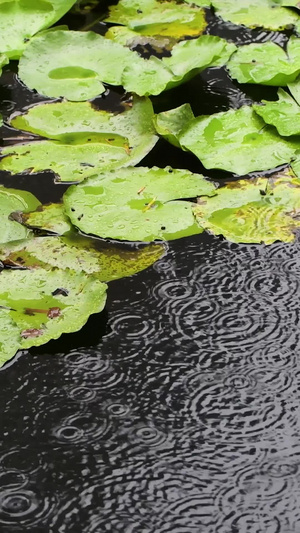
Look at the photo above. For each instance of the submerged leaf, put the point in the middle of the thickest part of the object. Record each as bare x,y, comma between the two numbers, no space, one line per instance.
284,114
159,18
256,13
88,141
248,64
39,305
106,262
21,19
237,141
14,200
253,211
137,204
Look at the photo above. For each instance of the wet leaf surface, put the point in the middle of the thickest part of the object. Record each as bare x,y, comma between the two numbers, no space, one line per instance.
237,141
284,114
248,63
106,262
260,210
257,13
33,316
88,141
137,204
21,19
73,64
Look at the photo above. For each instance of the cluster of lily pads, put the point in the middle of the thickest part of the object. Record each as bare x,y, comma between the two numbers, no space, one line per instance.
54,273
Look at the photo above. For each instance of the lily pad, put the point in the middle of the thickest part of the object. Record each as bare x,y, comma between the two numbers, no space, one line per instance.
238,141
49,217
256,13
21,19
137,204
159,18
39,305
106,262
14,200
169,124
88,141
71,64
188,58
248,63
284,114
253,211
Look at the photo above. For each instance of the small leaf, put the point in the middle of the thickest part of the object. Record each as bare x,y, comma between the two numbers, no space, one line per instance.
253,211
137,204
32,315
284,114
72,64
105,261
248,63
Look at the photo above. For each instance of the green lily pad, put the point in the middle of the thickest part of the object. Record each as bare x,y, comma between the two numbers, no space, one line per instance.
88,141
197,54
49,217
71,64
248,63
14,200
39,305
137,204
106,262
256,13
253,211
188,59
159,18
284,114
169,124
237,141
21,19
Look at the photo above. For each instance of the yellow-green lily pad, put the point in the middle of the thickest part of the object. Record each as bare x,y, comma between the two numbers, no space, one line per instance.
260,210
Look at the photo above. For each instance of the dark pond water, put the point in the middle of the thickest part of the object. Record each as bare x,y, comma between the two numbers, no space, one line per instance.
177,408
